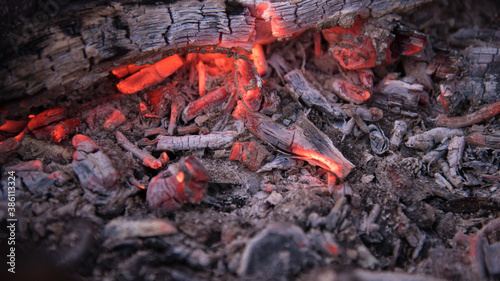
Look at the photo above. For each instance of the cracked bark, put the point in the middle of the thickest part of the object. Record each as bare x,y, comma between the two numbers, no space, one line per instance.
82,42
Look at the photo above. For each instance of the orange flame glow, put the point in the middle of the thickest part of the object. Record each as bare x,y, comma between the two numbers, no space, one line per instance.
12,126
163,158
259,59
180,177
62,130
127,70
150,75
154,164
322,160
115,119
201,77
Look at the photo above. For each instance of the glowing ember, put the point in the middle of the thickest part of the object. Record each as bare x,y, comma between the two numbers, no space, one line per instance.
348,91
145,111
150,75
251,154
160,99
65,129
201,77
47,117
259,59
13,143
114,120
177,106
212,98
180,177
249,84
127,70
315,157
84,143
12,126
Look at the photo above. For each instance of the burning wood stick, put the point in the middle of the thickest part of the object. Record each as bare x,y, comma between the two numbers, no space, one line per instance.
208,100
211,141
146,158
248,83
202,79
168,26
482,114
160,99
64,129
150,75
13,126
126,70
177,107
303,139
47,117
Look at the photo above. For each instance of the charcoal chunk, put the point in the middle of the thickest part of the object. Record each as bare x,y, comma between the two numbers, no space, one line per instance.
276,253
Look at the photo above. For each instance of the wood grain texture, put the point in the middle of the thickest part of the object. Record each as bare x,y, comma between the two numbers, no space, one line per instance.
82,42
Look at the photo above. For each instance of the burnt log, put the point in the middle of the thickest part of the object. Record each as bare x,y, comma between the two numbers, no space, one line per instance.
61,47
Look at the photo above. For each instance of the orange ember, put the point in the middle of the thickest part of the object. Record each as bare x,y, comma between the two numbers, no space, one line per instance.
12,126
201,77
127,70
150,75
210,99
153,164
180,177
164,158
248,83
47,117
64,129
322,160
114,120
259,59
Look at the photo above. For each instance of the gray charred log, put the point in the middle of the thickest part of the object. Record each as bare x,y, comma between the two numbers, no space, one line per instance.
80,42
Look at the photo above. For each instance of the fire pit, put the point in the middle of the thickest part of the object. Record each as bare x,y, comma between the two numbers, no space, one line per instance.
229,140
